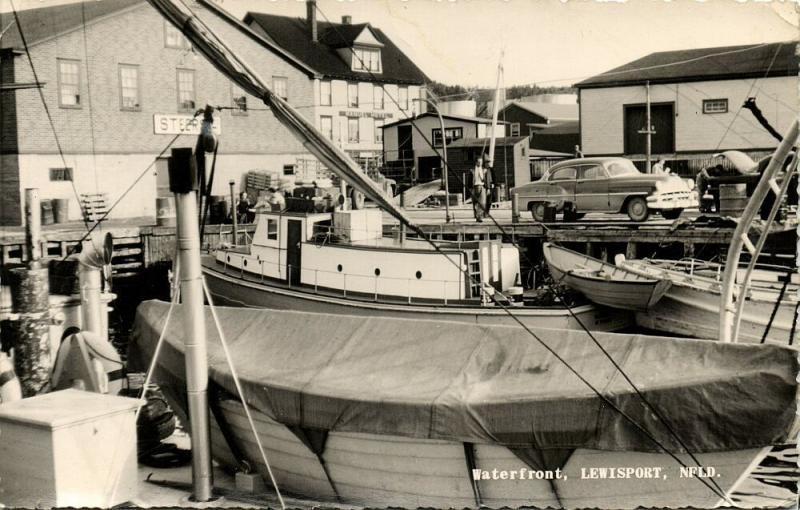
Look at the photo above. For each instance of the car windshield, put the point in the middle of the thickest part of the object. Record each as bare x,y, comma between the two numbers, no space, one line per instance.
622,167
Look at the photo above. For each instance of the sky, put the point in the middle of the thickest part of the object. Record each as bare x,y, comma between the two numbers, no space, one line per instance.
544,42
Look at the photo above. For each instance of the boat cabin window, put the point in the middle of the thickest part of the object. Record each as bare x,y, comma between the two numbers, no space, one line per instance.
321,229
272,229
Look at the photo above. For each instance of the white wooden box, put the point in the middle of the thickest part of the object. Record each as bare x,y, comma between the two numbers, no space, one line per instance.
358,225
68,448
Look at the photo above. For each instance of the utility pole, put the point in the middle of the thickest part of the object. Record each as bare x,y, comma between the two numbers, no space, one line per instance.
648,130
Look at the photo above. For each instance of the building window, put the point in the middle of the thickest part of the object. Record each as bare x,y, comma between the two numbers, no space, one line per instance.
515,129
403,98
352,129
69,83
452,134
60,174
326,126
288,169
367,59
715,106
325,93
129,87
352,95
379,130
272,229
186,90
238,100
280,86
173,38
377,97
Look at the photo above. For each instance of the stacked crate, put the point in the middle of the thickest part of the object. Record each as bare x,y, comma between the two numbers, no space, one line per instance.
259,180
94,205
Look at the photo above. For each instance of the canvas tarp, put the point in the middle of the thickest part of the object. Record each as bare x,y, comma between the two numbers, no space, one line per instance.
495,384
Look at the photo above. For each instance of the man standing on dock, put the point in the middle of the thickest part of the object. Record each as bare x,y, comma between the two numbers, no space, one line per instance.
478,189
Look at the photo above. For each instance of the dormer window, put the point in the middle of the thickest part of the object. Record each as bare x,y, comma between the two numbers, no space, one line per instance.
367,59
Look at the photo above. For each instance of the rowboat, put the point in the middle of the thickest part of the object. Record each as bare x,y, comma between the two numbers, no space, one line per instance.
389,412
603,283
691,305
339,262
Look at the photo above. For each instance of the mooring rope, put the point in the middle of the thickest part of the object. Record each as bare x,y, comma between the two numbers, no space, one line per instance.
239,390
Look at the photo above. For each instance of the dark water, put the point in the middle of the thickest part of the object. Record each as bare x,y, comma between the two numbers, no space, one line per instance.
773,483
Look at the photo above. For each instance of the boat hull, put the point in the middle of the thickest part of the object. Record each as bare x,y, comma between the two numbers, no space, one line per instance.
380,471
692,312
232,288
639,296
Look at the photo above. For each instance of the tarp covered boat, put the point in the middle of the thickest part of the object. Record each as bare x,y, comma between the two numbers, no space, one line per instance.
381,411
603,283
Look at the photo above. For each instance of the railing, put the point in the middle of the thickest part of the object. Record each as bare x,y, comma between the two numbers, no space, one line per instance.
285,272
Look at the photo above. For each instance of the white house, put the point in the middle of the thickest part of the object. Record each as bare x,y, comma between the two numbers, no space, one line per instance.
696,99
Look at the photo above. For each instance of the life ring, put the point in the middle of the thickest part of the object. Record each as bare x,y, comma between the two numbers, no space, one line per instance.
10,389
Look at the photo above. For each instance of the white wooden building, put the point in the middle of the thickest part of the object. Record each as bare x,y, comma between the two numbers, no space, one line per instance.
696,99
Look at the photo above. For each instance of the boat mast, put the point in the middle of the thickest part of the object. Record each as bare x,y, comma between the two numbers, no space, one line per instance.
495,110
183,182
740,235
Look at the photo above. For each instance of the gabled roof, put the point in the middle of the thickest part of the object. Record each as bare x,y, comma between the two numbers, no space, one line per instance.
501,141
571,127
292,35
445,116
550,111
721,63
46,22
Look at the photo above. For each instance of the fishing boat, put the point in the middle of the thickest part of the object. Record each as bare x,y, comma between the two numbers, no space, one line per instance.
339,262
390,412
603,283
691,305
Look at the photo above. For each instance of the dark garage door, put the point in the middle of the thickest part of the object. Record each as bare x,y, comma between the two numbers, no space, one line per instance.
662,117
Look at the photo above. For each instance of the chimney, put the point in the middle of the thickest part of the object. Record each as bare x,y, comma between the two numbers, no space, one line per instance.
311,18
347,20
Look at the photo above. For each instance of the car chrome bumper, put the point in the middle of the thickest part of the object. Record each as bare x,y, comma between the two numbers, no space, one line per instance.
677,200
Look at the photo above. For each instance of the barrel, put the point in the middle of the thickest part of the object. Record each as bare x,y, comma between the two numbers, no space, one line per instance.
732,199
165,212
61,210
47,211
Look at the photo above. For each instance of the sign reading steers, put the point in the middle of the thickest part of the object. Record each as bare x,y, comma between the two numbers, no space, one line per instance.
174,124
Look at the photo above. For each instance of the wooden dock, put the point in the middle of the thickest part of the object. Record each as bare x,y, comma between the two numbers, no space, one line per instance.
138,247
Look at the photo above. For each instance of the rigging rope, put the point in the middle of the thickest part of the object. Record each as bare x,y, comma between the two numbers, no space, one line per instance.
239,389
716,488
39,87
221,57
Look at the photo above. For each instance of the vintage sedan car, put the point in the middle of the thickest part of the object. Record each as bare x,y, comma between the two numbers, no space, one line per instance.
605,184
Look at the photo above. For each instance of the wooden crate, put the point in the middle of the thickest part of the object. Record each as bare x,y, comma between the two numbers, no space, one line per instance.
94,205
68,448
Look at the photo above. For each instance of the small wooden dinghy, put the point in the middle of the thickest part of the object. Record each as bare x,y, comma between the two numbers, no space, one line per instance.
604,283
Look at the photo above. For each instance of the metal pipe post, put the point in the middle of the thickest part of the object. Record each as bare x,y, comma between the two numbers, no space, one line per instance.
445,169
514,208
183,182
740,238
649,128
234,213
33,226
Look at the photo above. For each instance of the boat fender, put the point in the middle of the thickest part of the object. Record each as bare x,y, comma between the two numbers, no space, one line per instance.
619,259
10,389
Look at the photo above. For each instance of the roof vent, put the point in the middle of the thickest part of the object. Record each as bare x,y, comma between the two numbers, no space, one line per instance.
347,20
